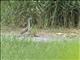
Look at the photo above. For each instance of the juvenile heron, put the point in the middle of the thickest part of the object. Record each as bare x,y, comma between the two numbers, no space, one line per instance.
28,28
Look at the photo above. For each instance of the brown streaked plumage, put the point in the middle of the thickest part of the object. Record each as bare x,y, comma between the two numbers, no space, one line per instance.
24,30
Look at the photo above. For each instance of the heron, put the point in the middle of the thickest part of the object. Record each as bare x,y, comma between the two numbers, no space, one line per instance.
28,28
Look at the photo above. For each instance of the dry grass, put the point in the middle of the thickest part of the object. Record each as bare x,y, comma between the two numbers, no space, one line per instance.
54,32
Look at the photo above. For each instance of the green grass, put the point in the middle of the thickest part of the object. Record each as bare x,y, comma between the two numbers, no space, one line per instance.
14,49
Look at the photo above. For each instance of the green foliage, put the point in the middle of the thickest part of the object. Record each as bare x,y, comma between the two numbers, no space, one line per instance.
44,13
15,49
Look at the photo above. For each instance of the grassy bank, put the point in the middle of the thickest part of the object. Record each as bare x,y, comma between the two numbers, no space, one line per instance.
14,49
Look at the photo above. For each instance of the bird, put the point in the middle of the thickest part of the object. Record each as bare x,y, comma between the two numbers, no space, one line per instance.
28,29
24,31
28,32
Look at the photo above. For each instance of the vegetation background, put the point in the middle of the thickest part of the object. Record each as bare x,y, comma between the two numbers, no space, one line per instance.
59,13
46,15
